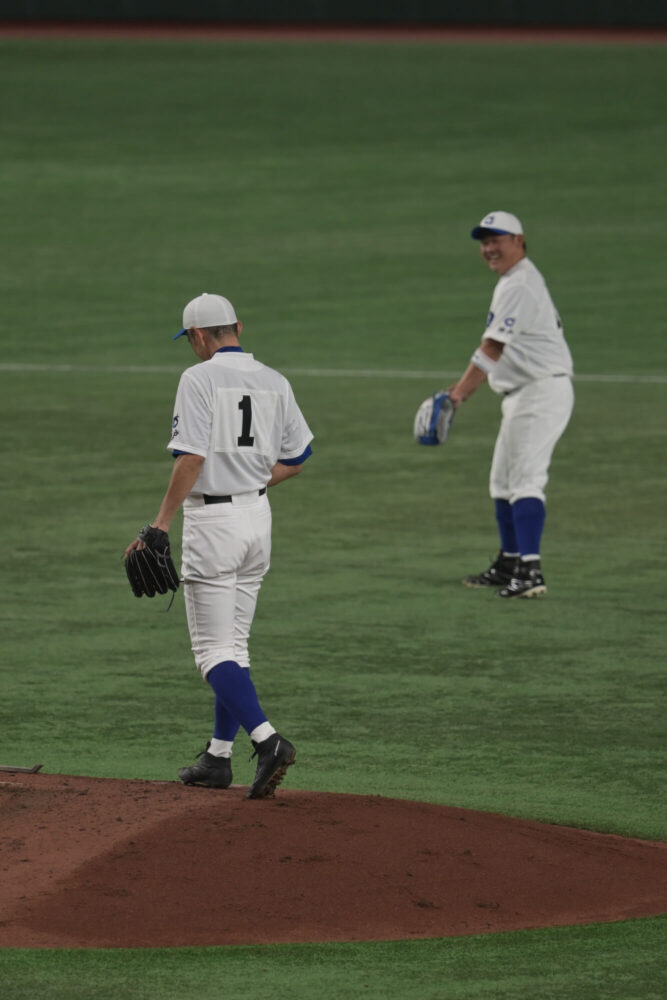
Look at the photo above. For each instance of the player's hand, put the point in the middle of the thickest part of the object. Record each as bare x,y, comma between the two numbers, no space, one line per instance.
136,544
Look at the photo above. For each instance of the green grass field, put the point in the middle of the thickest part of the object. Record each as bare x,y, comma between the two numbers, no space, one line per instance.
329,191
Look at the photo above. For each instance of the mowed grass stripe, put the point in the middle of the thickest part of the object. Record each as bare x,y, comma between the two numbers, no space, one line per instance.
304,372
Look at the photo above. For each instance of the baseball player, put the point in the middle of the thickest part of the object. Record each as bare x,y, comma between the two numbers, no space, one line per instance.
236,430
526,360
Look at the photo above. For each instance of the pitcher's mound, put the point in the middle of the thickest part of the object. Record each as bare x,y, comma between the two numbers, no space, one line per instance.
91,862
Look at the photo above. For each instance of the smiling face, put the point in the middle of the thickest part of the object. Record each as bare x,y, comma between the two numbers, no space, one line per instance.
501,251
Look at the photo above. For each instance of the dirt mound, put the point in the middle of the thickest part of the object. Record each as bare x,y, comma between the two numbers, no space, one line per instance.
90,862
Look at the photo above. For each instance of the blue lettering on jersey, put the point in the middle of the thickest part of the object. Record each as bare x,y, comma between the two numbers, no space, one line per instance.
489,320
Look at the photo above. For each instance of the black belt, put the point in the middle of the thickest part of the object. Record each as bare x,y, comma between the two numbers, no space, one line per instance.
228,499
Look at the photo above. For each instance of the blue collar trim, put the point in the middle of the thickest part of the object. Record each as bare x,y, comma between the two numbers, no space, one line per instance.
223,350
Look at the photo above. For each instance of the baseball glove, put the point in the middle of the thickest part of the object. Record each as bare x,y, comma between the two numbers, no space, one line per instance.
150,570
434,419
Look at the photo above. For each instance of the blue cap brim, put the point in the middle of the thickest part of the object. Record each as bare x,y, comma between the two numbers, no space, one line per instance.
181,334
476,233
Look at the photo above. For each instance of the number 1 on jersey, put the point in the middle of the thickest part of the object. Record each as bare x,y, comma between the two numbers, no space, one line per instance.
246,439
251,431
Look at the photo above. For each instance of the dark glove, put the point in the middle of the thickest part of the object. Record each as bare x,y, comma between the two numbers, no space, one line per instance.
150,570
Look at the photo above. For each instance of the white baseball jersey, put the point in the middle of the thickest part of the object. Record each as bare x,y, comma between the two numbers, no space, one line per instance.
242,417
524,319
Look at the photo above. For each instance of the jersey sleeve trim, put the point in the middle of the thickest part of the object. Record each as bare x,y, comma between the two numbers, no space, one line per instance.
188,450
500,338
299,460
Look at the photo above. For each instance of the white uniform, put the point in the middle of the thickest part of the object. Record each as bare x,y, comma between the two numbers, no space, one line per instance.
242,418
534,374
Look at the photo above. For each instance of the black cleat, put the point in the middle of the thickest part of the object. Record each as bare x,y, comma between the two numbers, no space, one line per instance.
527,581
209,771
499,573
275,755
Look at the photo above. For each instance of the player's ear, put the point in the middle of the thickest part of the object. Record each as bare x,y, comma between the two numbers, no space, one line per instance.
195,337
240,327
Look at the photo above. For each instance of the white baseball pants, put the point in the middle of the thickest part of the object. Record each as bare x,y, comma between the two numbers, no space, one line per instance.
533,419
226,554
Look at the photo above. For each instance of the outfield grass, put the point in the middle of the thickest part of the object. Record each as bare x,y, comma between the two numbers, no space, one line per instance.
615,962
329,191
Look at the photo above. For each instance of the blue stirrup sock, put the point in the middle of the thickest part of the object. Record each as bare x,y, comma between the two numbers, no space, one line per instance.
236,693
226,726
528,515
508,542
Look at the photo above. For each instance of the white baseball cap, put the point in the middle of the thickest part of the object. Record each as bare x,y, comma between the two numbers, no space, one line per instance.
207,310
498,222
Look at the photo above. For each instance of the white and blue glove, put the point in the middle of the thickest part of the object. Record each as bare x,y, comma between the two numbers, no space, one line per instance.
434,419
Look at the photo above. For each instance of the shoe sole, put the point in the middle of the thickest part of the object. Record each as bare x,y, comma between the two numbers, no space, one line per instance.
482,586
268,789
534,592
202,782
